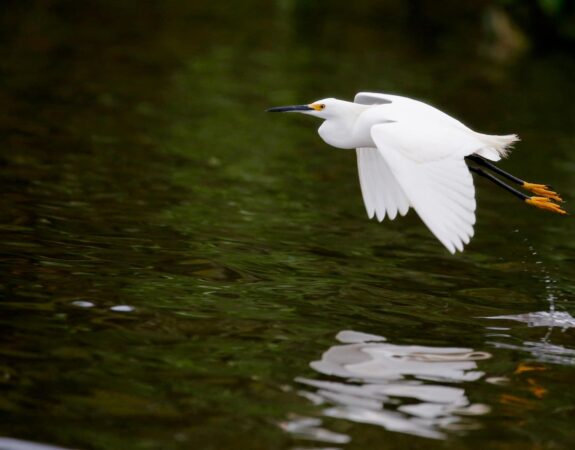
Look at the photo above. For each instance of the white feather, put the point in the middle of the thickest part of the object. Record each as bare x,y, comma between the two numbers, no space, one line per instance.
438,186
409,154
382,194
492,147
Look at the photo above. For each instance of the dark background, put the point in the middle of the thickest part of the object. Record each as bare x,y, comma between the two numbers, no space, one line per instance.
172,258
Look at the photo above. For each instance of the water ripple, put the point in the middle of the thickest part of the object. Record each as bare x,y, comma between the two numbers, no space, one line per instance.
562,320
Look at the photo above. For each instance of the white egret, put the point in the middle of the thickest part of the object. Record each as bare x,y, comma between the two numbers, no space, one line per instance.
410,154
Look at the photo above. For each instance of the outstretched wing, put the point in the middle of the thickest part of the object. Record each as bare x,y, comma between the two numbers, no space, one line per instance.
432,173
405,107
382,194
400,108
371,98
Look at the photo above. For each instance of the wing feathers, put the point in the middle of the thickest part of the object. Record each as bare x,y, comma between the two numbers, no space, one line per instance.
382,194
440,189
467,204
387,200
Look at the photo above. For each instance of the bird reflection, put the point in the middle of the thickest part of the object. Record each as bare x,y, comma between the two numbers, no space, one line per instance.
403,388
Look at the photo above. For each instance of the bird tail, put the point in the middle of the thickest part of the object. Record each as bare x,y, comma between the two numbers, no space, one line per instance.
496,147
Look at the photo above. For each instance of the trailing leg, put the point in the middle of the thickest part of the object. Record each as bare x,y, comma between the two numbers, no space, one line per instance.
538,189
539,202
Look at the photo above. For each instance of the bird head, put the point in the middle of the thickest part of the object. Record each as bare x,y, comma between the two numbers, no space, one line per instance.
324,109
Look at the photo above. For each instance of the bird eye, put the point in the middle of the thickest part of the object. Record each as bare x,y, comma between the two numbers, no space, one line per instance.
322,106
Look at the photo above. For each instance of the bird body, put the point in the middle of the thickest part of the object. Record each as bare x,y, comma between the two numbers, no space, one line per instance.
351,127
410,154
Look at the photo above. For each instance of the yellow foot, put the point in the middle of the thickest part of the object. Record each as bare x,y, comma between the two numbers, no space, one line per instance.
545,203
542,190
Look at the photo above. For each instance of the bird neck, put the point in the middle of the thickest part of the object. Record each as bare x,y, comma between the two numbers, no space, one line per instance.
339,131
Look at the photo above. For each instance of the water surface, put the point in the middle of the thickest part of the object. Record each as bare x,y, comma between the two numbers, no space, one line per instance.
179,268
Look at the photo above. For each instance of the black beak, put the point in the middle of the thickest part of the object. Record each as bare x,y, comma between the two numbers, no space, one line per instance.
290,108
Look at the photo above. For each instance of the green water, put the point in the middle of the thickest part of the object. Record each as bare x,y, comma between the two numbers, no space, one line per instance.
174,259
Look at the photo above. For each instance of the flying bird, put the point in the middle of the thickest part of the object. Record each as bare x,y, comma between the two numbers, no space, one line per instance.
410,154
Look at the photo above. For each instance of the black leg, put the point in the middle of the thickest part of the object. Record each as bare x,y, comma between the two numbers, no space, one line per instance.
538,189
539,202
499,183
483,162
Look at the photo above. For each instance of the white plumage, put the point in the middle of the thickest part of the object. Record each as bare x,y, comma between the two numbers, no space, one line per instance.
409,154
